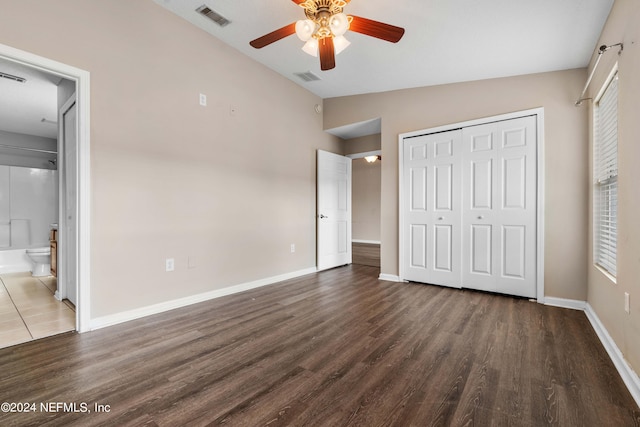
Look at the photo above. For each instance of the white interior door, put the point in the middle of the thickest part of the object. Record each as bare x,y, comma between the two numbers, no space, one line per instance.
334,210
68,243
432,208
499,207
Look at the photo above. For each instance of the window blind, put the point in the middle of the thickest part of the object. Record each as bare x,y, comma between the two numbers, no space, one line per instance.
606,178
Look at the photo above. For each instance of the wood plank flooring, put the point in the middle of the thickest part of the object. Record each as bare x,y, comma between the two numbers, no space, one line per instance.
335,348
366,254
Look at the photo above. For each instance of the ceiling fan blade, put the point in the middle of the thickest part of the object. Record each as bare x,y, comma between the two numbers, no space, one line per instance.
274,36
327,53
376,29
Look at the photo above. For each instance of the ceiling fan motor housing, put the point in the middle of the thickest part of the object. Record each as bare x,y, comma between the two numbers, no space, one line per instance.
315,9
323,13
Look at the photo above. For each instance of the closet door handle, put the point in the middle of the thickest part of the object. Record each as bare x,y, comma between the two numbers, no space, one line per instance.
480,217
440,218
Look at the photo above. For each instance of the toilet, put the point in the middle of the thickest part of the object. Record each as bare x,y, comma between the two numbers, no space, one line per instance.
41,258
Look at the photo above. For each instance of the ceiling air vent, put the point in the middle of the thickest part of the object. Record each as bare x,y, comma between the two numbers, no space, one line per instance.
307,76
214,16
12,77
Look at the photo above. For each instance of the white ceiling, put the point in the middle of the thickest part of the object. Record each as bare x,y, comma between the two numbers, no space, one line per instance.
446,41
24,105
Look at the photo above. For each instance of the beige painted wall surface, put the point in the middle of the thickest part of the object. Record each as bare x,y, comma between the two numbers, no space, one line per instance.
566,154
363,144
365,200
172,179
606,297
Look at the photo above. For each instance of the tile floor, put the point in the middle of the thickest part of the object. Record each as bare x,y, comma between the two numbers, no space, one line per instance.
28,309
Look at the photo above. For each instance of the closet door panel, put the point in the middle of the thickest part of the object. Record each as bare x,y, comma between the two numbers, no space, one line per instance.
479,153
431,215
513,251
499,214
418,245
480,250
517,150
443,256
481,183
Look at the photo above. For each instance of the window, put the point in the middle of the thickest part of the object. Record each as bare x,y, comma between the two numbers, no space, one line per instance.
605,173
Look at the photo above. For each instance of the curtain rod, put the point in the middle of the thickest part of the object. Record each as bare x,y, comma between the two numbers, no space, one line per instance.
28,149
602,49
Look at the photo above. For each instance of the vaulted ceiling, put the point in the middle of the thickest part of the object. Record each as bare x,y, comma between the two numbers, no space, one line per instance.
446,41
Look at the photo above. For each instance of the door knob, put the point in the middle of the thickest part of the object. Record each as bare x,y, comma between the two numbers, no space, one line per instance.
323,216
480,217
440,218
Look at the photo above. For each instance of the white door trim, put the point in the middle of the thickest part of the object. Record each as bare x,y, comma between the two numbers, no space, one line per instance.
82,79
539,113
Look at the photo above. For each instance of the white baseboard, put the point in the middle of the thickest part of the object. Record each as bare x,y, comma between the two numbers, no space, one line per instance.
390,278
628,375
565,303
125,316
369,242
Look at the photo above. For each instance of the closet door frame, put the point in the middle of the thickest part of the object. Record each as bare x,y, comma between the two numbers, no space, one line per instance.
539,113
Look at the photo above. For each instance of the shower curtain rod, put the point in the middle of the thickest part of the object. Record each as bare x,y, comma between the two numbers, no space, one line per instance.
28,149
602,49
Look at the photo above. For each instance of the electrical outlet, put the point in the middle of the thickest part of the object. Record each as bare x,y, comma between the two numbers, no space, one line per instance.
203,99
170,264
627,305
293,247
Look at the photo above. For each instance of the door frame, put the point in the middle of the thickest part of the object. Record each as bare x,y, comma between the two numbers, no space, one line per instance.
356,156
539,113
83,223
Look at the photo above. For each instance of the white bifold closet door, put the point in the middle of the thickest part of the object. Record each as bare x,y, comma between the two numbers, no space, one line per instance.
470,207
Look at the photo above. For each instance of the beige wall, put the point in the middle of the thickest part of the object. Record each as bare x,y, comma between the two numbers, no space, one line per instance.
169,177
363,144
365,200
566,154
606,297
365,185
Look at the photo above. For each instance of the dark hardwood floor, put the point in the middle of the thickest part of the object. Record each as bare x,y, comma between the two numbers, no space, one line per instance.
366,254
330,349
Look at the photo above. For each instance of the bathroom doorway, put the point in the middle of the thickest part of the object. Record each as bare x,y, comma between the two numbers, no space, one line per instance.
74,187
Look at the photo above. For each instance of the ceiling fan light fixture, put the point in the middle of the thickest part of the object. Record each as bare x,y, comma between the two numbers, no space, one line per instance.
305,29
311,47
339,24
340,43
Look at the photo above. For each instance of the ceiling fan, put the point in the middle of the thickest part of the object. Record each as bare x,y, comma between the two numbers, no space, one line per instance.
323,30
